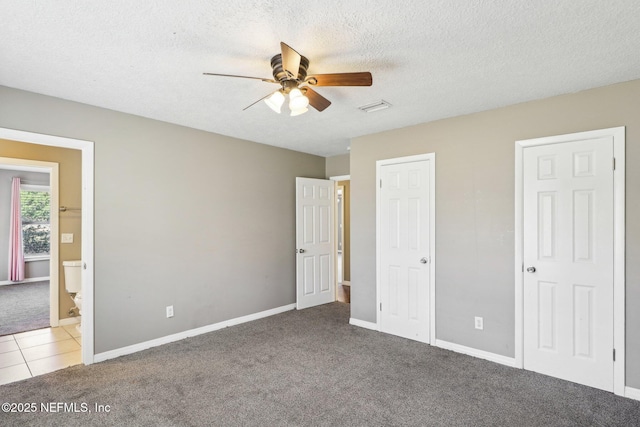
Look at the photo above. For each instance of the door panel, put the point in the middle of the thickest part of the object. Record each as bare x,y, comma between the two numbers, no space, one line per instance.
546,316
314,242
568,239
404,241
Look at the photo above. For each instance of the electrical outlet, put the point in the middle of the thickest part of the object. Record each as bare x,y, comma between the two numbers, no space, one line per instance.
169,311
479,323
66,238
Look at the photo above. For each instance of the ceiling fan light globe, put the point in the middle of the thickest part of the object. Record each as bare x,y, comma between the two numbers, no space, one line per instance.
297,100
295,93
299,103
275,101
299,111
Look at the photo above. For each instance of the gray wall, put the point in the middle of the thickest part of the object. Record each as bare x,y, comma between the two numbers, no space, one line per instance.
475,157
36,269
32,268
337,165
183,217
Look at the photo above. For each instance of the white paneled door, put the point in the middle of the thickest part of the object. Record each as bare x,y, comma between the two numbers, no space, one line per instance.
568,220
404,249
315,282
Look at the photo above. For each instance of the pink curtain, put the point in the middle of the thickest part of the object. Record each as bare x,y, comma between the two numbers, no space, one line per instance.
16,255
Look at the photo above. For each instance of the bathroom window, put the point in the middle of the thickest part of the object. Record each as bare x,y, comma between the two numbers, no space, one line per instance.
35,203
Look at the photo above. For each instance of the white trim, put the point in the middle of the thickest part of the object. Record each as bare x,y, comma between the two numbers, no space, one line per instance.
632,393
519,258
29,280
88,227
346,283
69,321
54,245
480,354
363,324
335,221
36,258
619,256
618,135
20,167
123,351
87,223
36,188
339,235
432,247
51,169
431,158
42,139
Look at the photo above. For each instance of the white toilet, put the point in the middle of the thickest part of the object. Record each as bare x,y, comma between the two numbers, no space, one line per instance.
73,283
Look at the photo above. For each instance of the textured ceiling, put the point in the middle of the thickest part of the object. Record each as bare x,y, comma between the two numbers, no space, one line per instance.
429,59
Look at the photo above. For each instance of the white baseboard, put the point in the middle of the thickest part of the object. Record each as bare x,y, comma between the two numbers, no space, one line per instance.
29,280
632,393
363,324
111,354
346,283
69,321
492,357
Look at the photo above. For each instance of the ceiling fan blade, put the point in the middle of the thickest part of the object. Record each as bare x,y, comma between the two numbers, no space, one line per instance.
242,77
264,97
316,100
341,79
290,60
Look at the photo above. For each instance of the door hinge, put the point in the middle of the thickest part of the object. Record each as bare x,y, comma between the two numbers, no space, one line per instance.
614,163
380,183
523,267
614,354
380,306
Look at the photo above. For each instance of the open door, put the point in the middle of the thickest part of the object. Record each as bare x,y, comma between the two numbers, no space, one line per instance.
315,264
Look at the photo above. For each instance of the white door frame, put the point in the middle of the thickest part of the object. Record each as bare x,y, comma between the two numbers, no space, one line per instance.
50,168
618,135
87,223
335,221
431,157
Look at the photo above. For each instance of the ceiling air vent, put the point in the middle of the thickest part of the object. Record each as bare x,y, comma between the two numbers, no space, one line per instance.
375,106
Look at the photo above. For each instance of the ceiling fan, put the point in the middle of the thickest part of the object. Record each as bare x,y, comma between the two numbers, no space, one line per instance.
290,72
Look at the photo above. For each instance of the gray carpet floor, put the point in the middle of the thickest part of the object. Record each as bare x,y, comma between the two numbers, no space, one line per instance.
24,307
310,368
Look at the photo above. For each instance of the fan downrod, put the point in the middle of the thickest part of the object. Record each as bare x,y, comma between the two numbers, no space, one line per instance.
279,73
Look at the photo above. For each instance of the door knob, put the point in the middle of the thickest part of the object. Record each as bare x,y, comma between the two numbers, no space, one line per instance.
301,251
531,270
423,260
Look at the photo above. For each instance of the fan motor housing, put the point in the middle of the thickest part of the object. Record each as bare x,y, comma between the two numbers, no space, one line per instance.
281,75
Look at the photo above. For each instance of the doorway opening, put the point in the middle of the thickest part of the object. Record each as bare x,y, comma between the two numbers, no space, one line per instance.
29,293
84,217
343,238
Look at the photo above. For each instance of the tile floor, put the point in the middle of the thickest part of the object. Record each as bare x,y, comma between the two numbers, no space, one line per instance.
38,352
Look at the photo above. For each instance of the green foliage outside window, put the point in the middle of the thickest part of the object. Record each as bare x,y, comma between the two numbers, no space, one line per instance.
36,227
